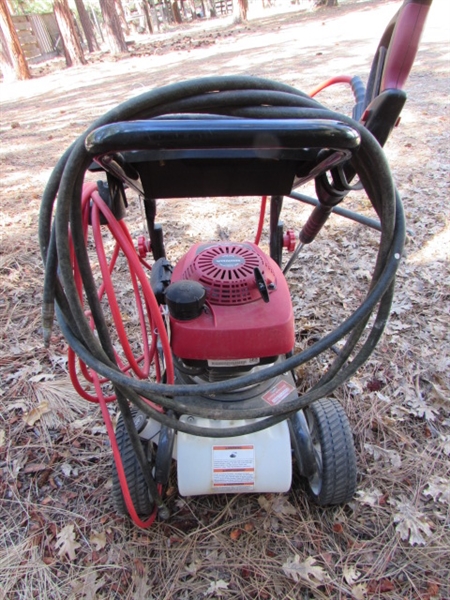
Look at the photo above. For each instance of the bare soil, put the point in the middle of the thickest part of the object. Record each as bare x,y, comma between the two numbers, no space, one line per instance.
393,540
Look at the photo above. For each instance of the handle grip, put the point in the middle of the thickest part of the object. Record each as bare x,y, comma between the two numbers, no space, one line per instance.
404,44
314,224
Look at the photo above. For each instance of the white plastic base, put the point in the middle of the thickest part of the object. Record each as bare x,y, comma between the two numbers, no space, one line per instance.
260,462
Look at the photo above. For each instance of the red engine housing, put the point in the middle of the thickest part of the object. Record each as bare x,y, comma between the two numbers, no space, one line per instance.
236,323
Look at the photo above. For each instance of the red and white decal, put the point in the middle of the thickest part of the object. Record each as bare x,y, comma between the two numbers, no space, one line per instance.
278,393
233,466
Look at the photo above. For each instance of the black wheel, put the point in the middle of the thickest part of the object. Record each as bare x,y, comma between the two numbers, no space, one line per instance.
133,473
332,480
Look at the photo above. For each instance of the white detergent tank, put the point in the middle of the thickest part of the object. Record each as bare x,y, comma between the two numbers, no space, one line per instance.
259,462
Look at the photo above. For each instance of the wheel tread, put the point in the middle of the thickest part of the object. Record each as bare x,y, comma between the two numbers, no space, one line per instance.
338,453
136,482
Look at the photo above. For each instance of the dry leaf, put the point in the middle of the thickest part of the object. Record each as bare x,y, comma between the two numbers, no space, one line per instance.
439,393
66,542
380,587
141,588
264,503
383,453
359,591
216,587
419,408
41,377
281,506
439,490
18,464
25,372
89,587
350,574
193,567
298,571
66,469
2,437
36,413
410,523
98,539
370,497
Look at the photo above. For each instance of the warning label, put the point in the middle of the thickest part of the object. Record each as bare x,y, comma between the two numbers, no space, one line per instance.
233,466
278,393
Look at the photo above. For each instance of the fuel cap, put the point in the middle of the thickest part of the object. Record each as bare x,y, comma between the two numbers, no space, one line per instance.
185,299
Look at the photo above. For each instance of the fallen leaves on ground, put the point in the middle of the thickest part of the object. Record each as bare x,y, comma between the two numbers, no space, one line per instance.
410,523
66,542
307,570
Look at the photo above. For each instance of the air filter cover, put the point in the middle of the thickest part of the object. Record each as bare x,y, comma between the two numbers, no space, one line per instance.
227,271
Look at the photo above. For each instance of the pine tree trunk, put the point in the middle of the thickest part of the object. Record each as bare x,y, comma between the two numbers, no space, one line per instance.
113,30
212,9
240,9
73,51
177,13
154,15
122,18
12,59
86,24
147,16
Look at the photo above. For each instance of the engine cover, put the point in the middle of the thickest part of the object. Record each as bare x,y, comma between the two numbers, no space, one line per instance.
237,323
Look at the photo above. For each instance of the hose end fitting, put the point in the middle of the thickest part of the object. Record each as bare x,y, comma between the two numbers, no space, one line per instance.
48,314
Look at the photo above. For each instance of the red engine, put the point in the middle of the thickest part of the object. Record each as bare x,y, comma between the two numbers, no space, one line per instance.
241,306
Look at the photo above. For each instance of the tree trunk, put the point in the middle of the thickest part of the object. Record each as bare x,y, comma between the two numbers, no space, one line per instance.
122,17
73,52
177,13
87,27
148,18
169,11
113,30
154,16
240,9
212,9
12,59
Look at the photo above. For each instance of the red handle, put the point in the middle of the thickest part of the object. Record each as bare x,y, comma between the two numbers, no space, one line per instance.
314,224
404,43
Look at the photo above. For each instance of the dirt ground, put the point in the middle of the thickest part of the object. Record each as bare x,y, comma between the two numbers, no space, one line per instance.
59,536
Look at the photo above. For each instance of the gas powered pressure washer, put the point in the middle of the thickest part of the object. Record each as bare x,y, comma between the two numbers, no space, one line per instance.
210,379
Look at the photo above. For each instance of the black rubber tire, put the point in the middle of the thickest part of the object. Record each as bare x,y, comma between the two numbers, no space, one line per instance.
133,473
335,478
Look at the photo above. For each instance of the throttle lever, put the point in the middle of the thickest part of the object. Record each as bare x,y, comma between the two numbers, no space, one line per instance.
261,284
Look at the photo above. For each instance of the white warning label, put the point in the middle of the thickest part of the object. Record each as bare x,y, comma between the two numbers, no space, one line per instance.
234,466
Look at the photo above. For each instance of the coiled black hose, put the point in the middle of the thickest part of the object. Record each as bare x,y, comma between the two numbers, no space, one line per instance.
238,97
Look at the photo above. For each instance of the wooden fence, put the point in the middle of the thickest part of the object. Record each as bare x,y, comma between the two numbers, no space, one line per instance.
38,34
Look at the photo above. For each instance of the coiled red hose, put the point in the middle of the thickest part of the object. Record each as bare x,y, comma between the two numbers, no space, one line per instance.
150,319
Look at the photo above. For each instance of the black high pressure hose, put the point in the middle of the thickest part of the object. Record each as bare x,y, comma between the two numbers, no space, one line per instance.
248,97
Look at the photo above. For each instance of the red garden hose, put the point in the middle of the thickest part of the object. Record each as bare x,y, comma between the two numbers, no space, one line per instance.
93,206
332,81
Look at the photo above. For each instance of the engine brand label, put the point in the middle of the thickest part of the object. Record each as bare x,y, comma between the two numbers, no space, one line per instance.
233,466
228,261
278,393
238,362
